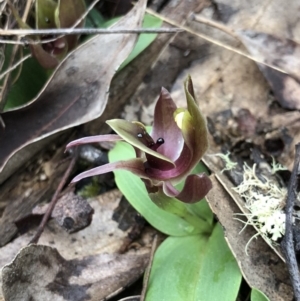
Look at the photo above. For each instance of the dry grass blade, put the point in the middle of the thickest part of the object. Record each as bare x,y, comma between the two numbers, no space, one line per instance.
213,41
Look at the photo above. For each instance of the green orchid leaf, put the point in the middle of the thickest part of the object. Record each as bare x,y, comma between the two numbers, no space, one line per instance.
110,22
29,82
94,19
144,39
194,268
178,208
202,211
134,190
257,295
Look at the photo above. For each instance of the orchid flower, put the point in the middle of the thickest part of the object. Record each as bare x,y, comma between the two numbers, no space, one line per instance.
167,155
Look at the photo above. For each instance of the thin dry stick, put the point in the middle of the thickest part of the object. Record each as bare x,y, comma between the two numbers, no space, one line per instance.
288,240
213,41
15,65
54,200
70,31
2,7
215,24
148,270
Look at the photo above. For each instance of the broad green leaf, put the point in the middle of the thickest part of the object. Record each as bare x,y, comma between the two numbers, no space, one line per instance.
194,268
110,22
94,19
134,190
201,210
29,83
257,295
144,39
174,206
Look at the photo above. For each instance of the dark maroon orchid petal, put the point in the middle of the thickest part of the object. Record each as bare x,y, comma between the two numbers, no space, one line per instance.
135,166
175,174
94,139
164,126
135,134
195,188
45,59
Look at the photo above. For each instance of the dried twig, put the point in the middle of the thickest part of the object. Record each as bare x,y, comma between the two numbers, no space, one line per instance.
215,24
148,270
70,31
54,200
15,65
288,241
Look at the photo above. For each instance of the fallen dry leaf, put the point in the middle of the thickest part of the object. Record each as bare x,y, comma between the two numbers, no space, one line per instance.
273,50
95,244
76,93
281,53
25,190
40,273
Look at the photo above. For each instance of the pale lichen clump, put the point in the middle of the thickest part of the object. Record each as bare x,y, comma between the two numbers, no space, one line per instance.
229,165
265,200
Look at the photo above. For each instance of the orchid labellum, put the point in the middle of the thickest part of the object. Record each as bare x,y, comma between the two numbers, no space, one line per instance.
165,157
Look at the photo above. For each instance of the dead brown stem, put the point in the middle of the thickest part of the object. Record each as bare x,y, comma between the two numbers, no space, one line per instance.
148,270
54,200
